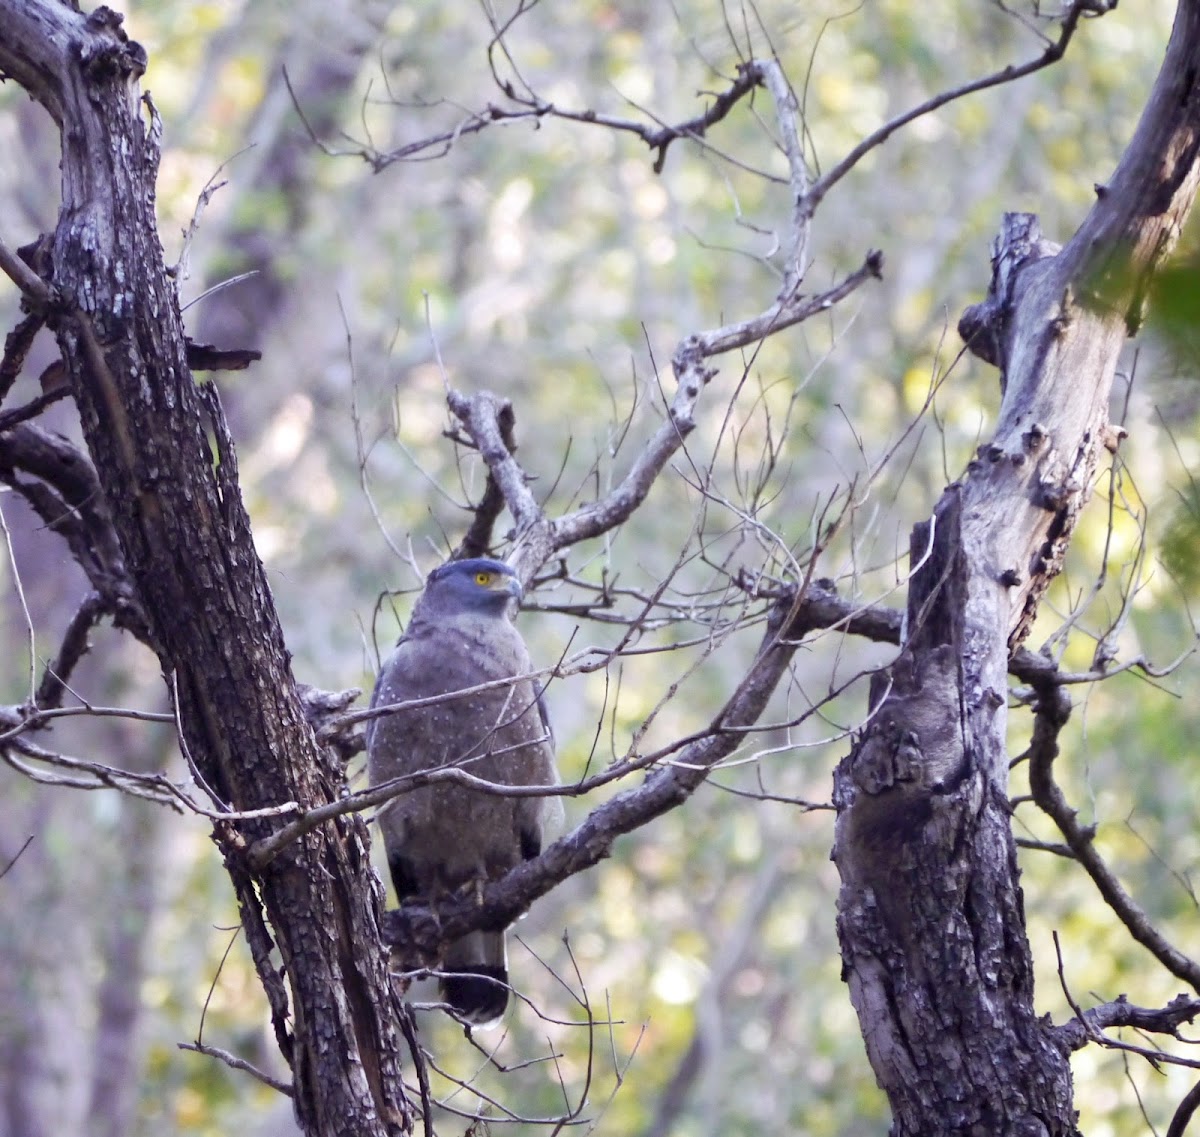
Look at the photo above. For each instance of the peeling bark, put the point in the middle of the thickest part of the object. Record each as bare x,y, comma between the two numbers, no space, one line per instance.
930,915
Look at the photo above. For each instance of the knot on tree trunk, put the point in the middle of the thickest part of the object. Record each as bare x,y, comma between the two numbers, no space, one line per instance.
911,756
984,327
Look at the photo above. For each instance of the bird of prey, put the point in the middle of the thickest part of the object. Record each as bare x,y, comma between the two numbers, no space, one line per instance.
444,837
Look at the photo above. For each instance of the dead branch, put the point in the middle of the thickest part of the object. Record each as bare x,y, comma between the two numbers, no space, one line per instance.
74,646
1051,711
236,1063
19,753
68,498
1052,54
36,290
16,347
1156,1020
33,408
478,539
1087,1025
205,357
657,137
538,537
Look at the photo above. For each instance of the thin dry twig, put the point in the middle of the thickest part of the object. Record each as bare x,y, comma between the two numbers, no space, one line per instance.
236,1063
1051,711
1052,54
1089,1026
20,591
16,856
182,267
28,281
213,985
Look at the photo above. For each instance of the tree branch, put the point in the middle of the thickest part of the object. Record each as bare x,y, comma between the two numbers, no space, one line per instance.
1051,712
16,346
236,1063
1183,1113
538,537
31,285
489,421
1052,54
68,498
657,137
74,646
1087,1027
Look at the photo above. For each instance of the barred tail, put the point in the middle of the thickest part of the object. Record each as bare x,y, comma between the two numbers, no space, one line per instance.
476,979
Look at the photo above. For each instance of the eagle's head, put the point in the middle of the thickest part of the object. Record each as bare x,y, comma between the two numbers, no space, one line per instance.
479,585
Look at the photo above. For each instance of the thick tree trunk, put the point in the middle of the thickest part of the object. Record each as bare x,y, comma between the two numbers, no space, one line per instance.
187,546
930,913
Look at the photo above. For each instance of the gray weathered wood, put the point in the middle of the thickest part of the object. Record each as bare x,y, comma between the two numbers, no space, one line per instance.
930,919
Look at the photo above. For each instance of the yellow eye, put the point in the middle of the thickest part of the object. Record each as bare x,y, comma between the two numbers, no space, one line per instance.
483,577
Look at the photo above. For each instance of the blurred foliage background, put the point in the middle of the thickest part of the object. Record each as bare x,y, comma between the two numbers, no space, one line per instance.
549,262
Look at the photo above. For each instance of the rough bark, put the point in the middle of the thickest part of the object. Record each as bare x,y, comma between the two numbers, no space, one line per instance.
186,544
930,913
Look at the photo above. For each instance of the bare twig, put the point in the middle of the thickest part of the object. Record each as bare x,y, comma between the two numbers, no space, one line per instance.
84,775
15,572
72,649
1088,1026
1052,54
16,856
182,268
16,347
23,719
530,107
1059,850
236,1063
220,286
28,281
213,985
1051,712
362,452
33,408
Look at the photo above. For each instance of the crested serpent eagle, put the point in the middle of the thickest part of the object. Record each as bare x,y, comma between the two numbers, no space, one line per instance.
444,837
